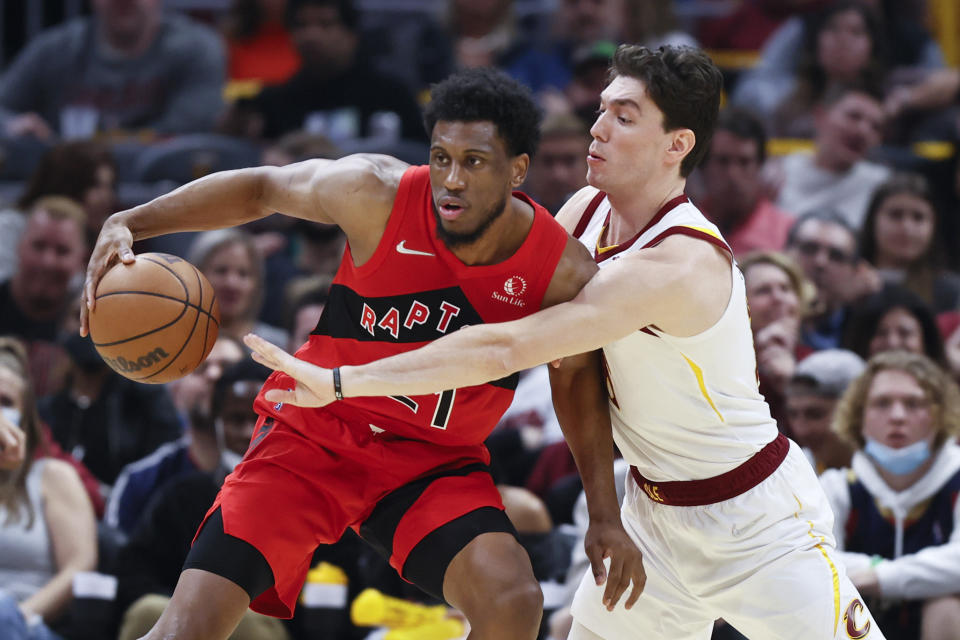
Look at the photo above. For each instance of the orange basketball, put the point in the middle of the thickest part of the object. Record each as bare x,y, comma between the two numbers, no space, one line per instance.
155,320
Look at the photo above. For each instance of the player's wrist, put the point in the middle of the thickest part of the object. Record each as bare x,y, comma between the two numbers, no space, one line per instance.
337,386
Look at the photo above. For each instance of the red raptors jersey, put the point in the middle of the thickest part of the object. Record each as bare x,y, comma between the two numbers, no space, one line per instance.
411,291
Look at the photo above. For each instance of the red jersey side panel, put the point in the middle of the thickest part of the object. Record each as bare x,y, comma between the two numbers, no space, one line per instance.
414,290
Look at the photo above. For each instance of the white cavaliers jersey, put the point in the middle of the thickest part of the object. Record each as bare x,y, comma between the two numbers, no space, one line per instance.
682,408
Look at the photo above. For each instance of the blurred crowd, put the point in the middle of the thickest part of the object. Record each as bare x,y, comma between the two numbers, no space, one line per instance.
834,174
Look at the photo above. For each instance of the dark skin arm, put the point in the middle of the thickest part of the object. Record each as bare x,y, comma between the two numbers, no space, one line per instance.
356,193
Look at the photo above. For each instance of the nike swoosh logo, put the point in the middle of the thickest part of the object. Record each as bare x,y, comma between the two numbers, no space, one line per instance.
401,248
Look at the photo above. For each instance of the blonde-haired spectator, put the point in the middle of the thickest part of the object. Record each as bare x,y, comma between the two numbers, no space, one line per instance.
896,509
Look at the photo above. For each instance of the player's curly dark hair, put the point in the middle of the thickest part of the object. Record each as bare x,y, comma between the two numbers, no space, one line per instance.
488,95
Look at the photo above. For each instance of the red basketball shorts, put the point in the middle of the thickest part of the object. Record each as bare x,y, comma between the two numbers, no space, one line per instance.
291,493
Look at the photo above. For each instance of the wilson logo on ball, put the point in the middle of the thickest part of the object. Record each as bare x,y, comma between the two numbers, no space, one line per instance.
123,365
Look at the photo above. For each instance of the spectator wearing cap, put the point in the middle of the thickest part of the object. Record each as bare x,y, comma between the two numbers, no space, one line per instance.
896,507
811,398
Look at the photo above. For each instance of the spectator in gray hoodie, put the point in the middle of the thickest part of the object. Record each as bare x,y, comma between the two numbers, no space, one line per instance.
128,67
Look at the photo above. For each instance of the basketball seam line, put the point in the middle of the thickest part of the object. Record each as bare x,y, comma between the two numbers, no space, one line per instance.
196,321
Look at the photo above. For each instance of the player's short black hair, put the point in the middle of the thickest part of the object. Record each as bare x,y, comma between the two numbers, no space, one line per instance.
487,95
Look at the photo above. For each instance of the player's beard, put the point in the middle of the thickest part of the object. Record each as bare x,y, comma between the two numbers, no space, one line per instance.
462,239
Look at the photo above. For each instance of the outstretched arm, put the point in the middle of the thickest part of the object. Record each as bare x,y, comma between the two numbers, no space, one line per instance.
355,193
659,286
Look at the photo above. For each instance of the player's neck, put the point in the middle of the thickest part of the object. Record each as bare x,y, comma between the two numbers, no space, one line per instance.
502,239
634,206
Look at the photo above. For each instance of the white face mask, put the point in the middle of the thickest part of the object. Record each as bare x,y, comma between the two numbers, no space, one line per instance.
11,415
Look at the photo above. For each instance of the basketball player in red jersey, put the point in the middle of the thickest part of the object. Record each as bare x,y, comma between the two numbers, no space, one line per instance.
430,250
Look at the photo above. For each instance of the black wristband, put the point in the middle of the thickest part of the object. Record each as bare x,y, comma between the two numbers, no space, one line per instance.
337,391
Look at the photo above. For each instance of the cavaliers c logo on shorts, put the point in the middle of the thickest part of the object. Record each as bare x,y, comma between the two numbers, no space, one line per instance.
850,620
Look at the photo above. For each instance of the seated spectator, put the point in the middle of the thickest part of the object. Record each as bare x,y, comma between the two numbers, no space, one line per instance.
734,197
197,450
547,67
896,510
841,46
779,297
848,126
47,525
121,69
559,168
336,92
230,261
901,237
811,400
825,247
46,446
893,319
50,265
908,46
150,564
259,47
103,419
81,171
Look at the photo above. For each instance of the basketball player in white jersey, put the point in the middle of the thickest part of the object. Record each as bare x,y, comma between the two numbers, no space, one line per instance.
728,514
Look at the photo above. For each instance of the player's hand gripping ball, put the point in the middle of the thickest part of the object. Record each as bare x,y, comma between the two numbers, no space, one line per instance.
155,320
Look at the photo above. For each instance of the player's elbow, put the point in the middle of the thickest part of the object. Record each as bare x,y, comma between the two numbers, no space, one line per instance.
499,353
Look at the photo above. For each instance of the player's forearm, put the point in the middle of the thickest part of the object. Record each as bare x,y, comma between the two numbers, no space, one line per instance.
580,401
216,201
471,356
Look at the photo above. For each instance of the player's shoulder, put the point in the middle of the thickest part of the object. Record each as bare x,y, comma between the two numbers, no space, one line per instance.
575,268
573,209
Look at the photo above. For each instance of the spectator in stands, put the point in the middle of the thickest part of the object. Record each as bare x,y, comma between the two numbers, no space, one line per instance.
734,195
825,247
105,420
547,67
559,168
82,171
336,92
197,450
779,297
230,261
128,67
46,446
47,525
150,564
849,123
259,46
901,237
893,319
896,511
811,399
908,44
50,264
841,46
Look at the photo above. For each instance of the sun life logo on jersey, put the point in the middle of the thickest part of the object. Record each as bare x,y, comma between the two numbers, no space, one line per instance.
513,288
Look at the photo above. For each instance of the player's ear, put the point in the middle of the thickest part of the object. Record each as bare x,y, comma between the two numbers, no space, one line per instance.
518,170
681,143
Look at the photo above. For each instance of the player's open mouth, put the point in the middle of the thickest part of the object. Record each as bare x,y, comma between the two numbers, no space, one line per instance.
592,157
449,207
